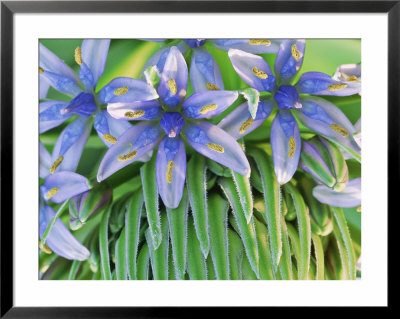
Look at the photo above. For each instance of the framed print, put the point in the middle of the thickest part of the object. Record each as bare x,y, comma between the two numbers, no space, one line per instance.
162,155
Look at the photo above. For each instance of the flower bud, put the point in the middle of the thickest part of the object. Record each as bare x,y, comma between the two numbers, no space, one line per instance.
82,206
325,162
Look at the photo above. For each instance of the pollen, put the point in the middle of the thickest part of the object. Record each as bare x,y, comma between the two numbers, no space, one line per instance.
172,86
134,114
339,129
51,192
212,87
78,55
358,209
215,147
121,91
260,42
245,125
168,176
337,87
56,163
353,78
208,108
44,248
109,138
127,157
292,147
295,53
258,73
41,71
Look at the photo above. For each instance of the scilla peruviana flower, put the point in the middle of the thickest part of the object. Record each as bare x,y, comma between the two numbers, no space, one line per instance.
168,121
316,113
86,105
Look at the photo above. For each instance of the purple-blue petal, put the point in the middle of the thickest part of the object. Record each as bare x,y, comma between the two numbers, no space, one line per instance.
83,104
256,46
50,114
135,111
349,197
289,59
44,161
94,55
61,83
171,170
108,128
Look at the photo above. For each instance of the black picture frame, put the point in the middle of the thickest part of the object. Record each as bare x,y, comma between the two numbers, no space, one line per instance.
9,8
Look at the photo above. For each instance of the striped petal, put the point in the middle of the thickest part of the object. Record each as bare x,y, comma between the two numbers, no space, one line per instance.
135,111
208,104
51,115
60,240
69,145
289,59
326,119
256,46
204,72
108,128
286,145
253,69
61,83
211,141
94,55
171,170
61,186
44,86
318,83
349,197
174,78
239,122
127,90
130,147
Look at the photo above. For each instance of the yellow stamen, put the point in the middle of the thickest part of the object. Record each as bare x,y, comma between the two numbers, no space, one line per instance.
168,176
215,147
127,157
258,73
44,248
51,192
295,53
134,114
109,138
41,71
292,147
172,86
208,108
56,163
352,78
359,209
212,87
245,126
121,91
337,87
78,56
339,129
260,42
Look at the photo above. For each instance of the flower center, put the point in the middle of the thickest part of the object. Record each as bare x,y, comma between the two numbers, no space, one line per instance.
172,123
287,98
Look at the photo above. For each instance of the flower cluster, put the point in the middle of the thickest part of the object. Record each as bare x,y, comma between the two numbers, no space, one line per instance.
179,106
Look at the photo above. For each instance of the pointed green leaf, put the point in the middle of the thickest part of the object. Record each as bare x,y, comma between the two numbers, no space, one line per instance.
143,263
150,193
272,196
210,269
196,264
197,184
177,220
243,188
120,253
246,230
285,265
103,244
74,269
319,256
266,268
235,255
218,169
218,213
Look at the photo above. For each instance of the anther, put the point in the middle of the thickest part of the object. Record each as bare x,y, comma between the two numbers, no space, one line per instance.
172,86
292,147
208,108
245,125
56,163
260,42
78,55
51,192
337,87
212,87
127,157
109,138
168,176
258,73
215,147
121,91
353,78
41,71
295,53
44,248
339,129
134,114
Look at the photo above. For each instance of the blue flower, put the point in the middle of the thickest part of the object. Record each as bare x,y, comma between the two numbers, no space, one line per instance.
291,99
85,104
169,120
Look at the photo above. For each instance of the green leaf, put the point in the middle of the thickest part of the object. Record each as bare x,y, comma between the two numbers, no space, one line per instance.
235,255
266,267
272,196
243,188
132,231
177,220
159,255
152,76
196,264
218,212
218,169
285,265
304,228
340,225
295,245
150,192
143,263
319,256
120,261
197,183
210,269
74,269
103,244
246,230
252,97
